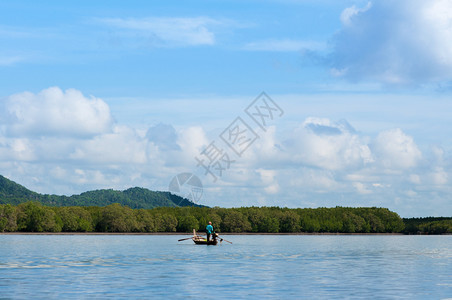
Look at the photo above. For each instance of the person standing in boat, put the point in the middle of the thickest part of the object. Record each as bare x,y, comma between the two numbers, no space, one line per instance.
209,230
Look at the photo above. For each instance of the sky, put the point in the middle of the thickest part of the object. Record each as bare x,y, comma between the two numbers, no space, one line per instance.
292,103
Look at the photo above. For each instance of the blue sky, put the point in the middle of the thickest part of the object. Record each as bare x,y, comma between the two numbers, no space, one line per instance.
115,95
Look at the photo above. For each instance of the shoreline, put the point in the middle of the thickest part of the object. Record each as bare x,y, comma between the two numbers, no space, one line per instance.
188,233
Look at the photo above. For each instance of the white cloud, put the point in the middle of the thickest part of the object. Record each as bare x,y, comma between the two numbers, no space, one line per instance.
168,31
439,176
328,145
348,13
415,178
395,150
398,43
271,186
164,136
55,112
361,188
121,146
314,162
192,141
17,149
312,179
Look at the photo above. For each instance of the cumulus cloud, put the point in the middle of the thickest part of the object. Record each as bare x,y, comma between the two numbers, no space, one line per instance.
16,149
163,136
69,141
396,150
192,141
123,145
361,188
55,112
316,161
328,145
269,180
395,42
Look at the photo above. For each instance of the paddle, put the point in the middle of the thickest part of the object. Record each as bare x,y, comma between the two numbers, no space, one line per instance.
185,239
224,239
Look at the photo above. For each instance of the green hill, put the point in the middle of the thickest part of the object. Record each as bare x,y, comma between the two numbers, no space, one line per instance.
13,193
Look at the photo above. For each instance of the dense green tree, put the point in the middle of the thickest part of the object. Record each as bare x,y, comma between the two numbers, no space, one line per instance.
8,218
391,221
235,221
269,224
309,223
187,223
118,218
352,223
289,221
429,225
437,227
146,222
75,219
33,217
166,222
256,218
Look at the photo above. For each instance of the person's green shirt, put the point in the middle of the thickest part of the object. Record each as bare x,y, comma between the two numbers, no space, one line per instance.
209,229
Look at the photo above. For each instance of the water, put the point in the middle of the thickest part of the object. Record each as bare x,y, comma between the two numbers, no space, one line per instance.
282,267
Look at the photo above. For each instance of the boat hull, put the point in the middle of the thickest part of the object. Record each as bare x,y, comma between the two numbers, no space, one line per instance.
205,242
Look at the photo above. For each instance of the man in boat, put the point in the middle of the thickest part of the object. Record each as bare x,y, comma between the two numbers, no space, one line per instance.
209,230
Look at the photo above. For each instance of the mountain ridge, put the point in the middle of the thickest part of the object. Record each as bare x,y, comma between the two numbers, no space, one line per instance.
135,197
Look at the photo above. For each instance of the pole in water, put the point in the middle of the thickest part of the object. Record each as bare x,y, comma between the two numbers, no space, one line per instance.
185,239
224,239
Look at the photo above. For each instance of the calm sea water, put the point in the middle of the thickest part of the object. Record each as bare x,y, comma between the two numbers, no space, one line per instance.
282,267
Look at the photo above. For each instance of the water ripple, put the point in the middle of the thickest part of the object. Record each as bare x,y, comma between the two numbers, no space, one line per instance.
261,267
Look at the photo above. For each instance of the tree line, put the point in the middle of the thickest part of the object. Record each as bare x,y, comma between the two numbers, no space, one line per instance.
35,217
429,225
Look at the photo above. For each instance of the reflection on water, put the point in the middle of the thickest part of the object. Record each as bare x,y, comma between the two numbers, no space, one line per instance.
253,267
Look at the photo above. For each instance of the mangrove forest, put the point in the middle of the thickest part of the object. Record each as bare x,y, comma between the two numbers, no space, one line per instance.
35,217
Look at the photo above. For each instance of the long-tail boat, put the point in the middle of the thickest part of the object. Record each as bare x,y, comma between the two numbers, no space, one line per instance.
200,240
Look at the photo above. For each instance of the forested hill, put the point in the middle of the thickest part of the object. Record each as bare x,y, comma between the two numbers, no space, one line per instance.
13,193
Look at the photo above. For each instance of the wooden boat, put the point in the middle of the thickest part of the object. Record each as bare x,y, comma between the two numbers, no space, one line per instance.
200,240
203,241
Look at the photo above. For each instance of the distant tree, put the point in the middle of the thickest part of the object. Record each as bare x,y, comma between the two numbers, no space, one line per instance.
8,218
146,222
33,217
310,224
256,217
391,221
269,224
75,219
436,227
168,223
234,221
352,223
289,221
187,223
118,218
